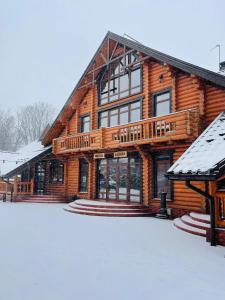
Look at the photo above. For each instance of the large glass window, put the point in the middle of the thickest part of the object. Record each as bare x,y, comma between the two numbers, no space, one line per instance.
161,184
56,171
121,79
121,115
83,176
85,124
162,104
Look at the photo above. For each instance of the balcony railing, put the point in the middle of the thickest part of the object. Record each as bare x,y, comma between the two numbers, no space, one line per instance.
176,126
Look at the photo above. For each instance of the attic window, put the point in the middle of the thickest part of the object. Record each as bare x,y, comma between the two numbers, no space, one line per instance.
120,79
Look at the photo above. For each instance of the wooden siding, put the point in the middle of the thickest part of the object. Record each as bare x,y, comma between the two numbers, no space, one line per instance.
187,92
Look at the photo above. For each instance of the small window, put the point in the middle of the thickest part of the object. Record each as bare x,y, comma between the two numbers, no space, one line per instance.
83,176
85,124
221,185
56,171
162,104
161,164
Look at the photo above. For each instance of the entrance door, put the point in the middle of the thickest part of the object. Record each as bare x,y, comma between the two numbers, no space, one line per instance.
120,178
39,179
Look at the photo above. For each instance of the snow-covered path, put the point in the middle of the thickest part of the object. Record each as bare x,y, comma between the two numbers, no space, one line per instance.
49,254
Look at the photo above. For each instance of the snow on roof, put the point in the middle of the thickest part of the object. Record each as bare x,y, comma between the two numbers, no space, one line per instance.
205,153
12,160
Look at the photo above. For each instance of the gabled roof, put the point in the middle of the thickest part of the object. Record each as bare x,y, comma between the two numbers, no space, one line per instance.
12,163
205,158
207,75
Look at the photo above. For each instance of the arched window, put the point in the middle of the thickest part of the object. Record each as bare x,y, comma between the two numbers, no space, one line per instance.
56,171
121,79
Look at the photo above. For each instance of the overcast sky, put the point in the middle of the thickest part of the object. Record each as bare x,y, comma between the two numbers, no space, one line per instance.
45,45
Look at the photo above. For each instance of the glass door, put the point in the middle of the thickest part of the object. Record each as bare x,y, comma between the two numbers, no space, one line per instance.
39,179
120,178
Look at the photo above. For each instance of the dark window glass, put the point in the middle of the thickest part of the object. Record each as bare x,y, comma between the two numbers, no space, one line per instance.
120,79
56,171
83,176
162,104
161,183
85,124
221,184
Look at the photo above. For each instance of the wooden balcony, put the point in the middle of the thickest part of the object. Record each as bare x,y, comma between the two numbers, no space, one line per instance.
176,126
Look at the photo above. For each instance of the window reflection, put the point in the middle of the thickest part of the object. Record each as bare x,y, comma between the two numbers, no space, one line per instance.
120,79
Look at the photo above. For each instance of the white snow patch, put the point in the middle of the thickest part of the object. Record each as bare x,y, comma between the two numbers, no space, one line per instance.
50,254
12,160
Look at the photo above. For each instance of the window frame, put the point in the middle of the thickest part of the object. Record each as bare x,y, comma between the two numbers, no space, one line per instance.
81,161
119,106
56,163
81,123
118,76
163,155
154,96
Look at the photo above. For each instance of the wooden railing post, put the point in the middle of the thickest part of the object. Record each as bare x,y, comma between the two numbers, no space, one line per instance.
32,186
15,185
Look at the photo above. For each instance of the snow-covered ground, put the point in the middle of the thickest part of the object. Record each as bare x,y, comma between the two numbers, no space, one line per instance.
49,254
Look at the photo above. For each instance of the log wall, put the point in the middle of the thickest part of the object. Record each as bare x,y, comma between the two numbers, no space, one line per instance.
187,92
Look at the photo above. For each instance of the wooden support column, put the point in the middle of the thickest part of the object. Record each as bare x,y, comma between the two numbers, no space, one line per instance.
91,174
66,178
15,185
145,174
146,107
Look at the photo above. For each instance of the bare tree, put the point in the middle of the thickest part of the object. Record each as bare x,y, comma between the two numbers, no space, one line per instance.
7,125
31,120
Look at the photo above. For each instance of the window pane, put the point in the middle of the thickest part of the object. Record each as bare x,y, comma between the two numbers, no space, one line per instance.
124,118
135,115
135,105
164,96
162,182
124,83
113,120
103,122
83,176
114,85
85,124
123,108
162,108
135,78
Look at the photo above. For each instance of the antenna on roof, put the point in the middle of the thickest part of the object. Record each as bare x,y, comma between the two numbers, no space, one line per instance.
221,64
130,37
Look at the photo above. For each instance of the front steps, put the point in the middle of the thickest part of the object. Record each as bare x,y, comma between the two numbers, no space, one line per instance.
193,223
107,209
41,199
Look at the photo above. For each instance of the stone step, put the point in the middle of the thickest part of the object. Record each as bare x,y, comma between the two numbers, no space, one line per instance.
186,219
109,209
103,204
200,217
107,214
178,223
106,208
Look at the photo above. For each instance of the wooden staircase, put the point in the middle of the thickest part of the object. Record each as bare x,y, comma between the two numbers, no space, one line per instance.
194,223
107,209
41,199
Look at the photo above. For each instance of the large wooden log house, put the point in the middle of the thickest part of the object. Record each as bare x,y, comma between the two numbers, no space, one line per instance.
132,114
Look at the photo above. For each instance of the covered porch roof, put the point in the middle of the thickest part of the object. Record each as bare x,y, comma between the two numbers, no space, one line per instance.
205,158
